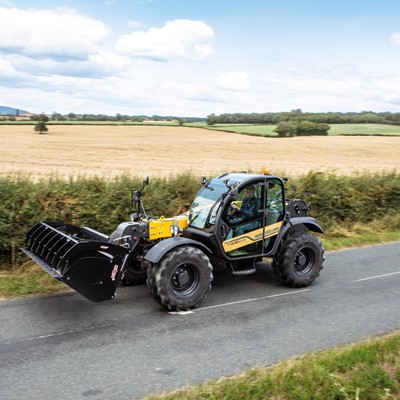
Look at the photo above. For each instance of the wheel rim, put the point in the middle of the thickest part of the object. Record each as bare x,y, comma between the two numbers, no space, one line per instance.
185,279
304,261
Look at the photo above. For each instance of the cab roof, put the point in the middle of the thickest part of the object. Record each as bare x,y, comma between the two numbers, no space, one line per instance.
239,178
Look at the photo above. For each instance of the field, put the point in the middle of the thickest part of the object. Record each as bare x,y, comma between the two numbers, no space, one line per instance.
166,150
336,129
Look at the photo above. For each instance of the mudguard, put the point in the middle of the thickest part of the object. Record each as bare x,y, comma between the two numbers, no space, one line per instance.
309,222
156,253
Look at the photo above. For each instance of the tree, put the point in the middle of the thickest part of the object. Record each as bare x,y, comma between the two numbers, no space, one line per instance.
57,116
41,124
311,128
285,129
181,121
212,119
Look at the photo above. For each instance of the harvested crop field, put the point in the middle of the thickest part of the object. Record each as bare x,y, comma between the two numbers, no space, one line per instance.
162,151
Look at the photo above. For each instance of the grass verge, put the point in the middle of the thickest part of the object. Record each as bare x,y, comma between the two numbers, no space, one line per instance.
359,237
366,370
26,280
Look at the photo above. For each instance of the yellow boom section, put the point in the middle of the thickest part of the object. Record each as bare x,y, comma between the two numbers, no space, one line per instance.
160,228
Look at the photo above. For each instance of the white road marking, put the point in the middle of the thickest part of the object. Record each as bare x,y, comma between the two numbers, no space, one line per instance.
180,312
72,331
238,302
377,276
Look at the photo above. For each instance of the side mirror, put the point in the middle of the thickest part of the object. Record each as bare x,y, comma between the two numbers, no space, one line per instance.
136,198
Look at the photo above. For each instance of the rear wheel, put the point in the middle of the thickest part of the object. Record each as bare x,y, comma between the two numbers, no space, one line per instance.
182,279
299,260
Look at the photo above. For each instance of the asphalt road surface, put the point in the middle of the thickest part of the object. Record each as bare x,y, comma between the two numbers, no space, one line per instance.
64,347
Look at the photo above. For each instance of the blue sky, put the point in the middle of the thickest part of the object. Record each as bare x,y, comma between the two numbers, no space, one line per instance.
197,57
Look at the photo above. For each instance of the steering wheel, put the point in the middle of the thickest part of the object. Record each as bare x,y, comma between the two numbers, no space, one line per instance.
232,212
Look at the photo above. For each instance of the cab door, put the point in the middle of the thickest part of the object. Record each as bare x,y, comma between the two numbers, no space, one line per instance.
274,212
243,221
249,224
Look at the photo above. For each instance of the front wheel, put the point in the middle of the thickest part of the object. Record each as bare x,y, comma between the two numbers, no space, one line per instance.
299,260
182,279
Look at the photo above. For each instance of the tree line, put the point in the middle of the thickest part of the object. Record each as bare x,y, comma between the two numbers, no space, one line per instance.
118,117
274,118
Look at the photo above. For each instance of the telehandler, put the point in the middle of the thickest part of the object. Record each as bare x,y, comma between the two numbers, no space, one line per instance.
235,220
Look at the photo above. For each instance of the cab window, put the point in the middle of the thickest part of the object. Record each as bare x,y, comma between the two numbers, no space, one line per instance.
275,207
244,218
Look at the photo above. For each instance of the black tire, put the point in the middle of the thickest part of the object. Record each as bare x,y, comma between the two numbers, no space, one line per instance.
134,276
299,260
182,279
151,281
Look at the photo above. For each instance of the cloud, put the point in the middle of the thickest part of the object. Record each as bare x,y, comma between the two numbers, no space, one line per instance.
338,89
57,33
60,56
135,25
188,90
6,68
236,81
97,65
395,39
181,38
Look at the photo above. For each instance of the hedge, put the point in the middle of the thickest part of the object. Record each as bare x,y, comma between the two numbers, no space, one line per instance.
102,204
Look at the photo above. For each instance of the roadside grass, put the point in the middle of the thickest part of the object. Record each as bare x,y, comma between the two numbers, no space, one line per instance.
359,235
26,280
369,369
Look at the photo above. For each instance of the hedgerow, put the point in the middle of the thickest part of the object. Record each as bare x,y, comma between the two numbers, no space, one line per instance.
102,204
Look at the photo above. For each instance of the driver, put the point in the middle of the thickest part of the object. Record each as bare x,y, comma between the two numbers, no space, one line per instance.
250,205
247,211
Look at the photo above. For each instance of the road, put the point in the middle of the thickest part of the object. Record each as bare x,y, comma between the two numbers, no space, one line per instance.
64,347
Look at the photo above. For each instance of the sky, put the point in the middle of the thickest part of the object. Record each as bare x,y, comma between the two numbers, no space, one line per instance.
193,58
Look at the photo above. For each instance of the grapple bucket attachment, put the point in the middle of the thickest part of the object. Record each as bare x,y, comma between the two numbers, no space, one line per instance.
80,257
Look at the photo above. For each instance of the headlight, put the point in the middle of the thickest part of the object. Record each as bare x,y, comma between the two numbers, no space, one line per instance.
174,229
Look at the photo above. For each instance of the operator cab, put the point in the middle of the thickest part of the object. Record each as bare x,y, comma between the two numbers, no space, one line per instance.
238,215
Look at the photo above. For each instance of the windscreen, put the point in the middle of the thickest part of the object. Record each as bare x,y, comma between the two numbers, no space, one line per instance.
205,205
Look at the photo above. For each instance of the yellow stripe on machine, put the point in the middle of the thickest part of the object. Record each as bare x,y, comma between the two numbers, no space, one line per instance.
251,237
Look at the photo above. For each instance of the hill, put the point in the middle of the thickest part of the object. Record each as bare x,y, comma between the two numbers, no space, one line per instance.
11,111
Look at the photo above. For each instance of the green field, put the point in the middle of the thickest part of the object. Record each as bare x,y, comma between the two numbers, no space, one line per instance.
336,129
364,129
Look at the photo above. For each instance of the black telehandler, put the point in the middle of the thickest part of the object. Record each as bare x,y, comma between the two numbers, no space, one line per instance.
235,220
